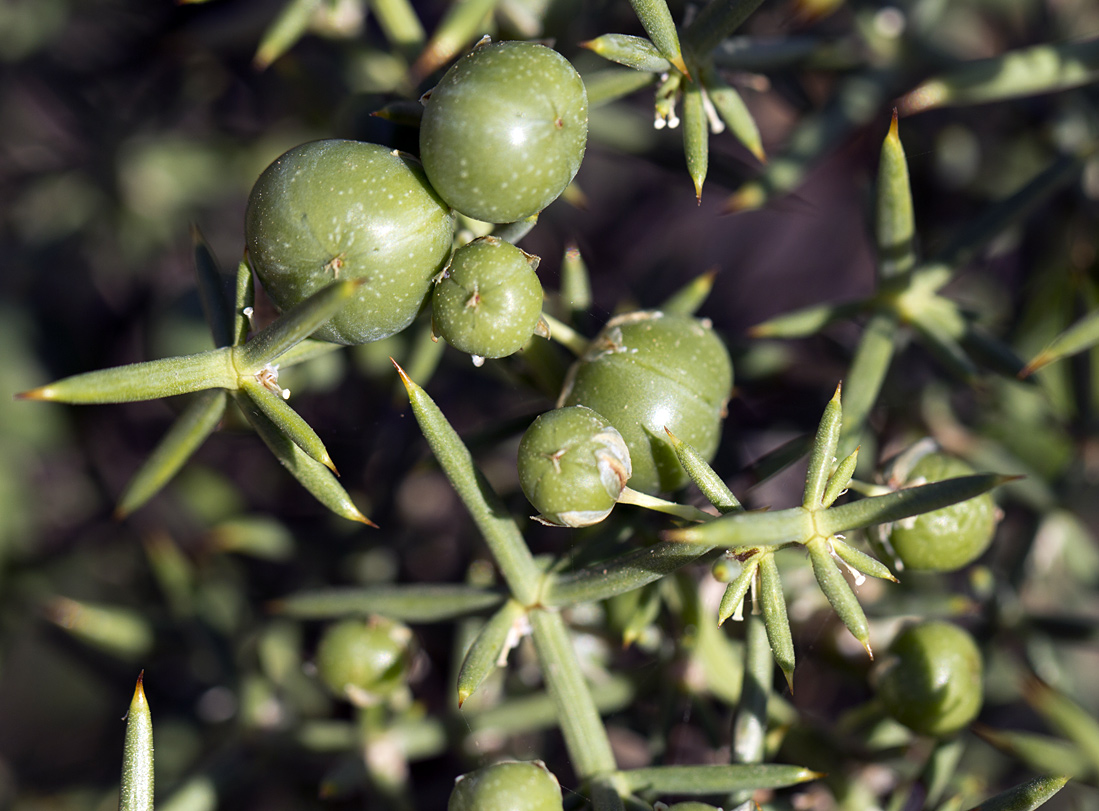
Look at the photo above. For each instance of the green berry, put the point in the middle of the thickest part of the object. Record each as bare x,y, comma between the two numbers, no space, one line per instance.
334,209
490,300
946,539
512,786
504,132
573,465
931,679
647,371
363,661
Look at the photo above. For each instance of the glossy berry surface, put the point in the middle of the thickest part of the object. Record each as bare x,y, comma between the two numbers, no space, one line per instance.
946,539
646,371
363,661
490,299
507,787
931,678
336,209
573,465
504,131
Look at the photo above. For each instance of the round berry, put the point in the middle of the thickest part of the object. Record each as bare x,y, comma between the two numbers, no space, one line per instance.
512,786
946,539
573,465
489,301
363,661
504,132
647,371
335,209
931,678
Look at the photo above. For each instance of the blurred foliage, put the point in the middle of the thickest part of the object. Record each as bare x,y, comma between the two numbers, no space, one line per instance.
126,120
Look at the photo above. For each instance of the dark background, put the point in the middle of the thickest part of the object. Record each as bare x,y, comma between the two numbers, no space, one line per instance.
124,121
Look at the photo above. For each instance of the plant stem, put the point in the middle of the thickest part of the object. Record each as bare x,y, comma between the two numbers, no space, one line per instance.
523,576
566,335
684,511
585,737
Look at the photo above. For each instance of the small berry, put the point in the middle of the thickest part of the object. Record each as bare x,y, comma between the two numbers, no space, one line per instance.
931,678
512,786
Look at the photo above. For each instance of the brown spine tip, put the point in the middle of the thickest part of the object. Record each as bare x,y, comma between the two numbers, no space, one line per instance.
404,377
139,689
42,394
362,519
1032,367
748,198
434,55
894,131
681,66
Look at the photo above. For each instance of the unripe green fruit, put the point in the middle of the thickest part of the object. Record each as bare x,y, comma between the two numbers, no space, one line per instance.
946,539
363,661
647,371
489,301
504,132
931,679
507,787
573,465
329,210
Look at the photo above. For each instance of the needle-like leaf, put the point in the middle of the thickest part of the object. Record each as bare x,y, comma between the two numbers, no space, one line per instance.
137,754
711,485
839,592
498,528
313,476
187,433
287,420
773,604
656,18
895,230
490,648
823,455
696,136
638,53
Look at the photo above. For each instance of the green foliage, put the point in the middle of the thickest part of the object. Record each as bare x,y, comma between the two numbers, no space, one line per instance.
916,190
